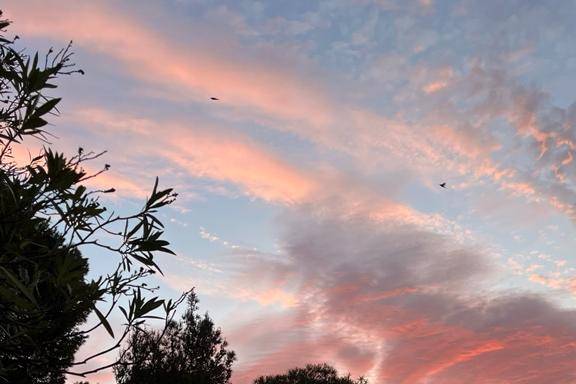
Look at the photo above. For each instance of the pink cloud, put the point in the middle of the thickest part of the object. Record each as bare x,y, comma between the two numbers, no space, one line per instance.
412,304
291,99
298,350
202,152
124,185
193,71
223,158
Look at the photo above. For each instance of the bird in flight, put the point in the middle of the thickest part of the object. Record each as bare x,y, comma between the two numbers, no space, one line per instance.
214,98
443,185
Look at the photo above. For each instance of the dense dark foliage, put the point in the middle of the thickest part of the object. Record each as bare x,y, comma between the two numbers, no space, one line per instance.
39,335
47,216
189,351
311,374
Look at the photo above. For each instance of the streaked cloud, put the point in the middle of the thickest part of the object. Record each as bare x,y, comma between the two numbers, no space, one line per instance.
418,305
204,152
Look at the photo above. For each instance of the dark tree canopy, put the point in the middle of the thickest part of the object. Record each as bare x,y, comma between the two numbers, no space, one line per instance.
39,325
311,374
191,351
48,215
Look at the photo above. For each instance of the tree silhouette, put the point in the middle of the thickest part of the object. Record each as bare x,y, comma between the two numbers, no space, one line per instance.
311,374
33,255
47,216
190,351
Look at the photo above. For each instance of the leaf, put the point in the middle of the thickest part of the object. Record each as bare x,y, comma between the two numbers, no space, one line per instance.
47,107
32,123
166,250
149,306
134,230
18,284
156,198
37,158
151,199
35,61
124,312
142,259
104,321
79,191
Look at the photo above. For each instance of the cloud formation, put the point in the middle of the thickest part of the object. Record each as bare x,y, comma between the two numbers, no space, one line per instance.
460,103
195,70
410,306
201,152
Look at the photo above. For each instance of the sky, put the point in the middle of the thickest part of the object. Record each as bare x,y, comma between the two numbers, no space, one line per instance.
310,217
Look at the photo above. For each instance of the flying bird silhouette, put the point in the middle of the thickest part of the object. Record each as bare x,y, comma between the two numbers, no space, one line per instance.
214,98
443,185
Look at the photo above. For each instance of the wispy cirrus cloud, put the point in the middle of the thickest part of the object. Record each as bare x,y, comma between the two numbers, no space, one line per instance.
194,71
201,152
454,132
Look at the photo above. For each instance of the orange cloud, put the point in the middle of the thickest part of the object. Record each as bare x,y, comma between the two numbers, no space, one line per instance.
434,86
223,158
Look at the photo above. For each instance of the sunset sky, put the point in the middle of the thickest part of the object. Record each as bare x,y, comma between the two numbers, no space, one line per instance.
309,218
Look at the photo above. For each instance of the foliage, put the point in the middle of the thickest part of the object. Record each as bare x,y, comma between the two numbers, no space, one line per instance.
48,215
311,374
190,351
42,291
